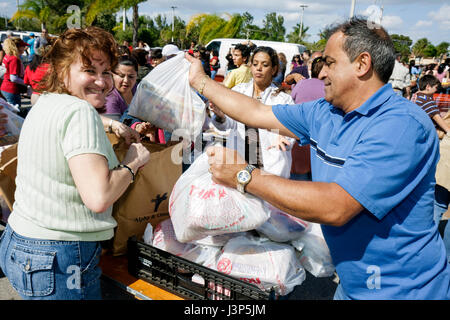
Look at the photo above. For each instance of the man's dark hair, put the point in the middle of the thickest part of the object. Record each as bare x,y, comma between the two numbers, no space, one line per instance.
361,37
156,54
140,55
428,79
244,49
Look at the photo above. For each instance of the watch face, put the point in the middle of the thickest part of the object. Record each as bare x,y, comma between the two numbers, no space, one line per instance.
243,176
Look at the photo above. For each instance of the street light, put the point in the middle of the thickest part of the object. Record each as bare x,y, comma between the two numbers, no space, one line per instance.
173,20
303,6
352,9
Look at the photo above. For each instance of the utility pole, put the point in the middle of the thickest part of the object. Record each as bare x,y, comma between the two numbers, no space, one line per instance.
173,20
18,20
303,6
124,18
352,9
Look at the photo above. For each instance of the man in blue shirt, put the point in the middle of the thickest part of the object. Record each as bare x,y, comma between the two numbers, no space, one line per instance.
31,46
373,161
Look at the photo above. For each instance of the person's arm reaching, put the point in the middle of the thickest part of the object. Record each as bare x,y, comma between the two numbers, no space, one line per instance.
298,198
234,104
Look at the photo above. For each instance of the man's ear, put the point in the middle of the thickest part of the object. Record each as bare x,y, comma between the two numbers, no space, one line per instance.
363,64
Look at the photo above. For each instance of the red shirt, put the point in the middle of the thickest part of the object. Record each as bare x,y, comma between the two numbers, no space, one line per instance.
212,59
13,66
33,77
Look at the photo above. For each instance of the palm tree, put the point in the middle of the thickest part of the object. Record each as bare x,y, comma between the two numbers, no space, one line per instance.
294,36
205,27
33,9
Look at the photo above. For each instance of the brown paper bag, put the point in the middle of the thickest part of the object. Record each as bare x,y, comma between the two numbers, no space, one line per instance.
147,199
443,166
8,171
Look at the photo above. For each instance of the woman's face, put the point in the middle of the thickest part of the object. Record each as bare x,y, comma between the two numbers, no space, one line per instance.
124,78
262,69
91,83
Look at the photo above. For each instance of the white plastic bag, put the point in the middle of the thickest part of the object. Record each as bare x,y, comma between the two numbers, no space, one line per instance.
12,127
199,207
164,239
315,255
219,240
282,227
265,264
165,99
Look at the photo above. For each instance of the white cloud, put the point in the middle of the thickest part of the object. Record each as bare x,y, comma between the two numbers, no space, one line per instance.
391,22
423,23
441,16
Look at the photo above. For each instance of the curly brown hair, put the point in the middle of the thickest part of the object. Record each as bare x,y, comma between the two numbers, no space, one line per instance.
72,45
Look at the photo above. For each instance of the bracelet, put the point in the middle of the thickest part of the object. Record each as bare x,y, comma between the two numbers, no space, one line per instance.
129,169
110,126
202,86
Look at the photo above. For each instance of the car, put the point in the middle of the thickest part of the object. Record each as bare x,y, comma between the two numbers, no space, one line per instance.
25,36
223,46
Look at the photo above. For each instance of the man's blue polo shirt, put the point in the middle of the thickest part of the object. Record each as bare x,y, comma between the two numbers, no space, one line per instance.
384,154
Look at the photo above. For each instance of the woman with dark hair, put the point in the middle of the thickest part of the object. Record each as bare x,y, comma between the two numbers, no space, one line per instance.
263,148
68,176
124,76
141,56
440,72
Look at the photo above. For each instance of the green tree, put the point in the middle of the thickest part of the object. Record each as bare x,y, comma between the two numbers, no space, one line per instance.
202,28
442,48
294,36
430,51
402,44
33,9
420,46
273,24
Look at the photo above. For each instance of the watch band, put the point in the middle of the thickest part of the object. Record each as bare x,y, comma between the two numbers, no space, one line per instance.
241,187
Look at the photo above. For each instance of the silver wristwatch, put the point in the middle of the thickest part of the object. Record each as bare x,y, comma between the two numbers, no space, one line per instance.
244,177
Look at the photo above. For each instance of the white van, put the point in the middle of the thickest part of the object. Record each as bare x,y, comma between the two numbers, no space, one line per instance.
223,46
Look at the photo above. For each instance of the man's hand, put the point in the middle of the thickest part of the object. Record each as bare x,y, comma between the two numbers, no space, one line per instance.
196,72
224,165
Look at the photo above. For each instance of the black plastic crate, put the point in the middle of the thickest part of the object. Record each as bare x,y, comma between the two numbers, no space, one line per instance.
175,274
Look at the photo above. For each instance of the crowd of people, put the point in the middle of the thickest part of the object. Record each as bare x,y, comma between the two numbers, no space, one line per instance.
342,140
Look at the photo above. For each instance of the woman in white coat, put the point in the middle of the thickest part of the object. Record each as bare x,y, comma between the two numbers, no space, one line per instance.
261,147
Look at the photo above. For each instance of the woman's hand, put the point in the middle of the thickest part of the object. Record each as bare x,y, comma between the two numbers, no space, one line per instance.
219,113
147,129
137,156
280,144
123,131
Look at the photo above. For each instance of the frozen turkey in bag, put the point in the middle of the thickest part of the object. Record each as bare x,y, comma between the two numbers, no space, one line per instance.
199,207
266,264
164,239
282,227
165,99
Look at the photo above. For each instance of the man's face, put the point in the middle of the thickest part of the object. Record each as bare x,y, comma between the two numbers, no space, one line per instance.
237,58
338,73
431,89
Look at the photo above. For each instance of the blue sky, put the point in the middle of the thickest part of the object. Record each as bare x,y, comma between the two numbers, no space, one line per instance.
414,18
